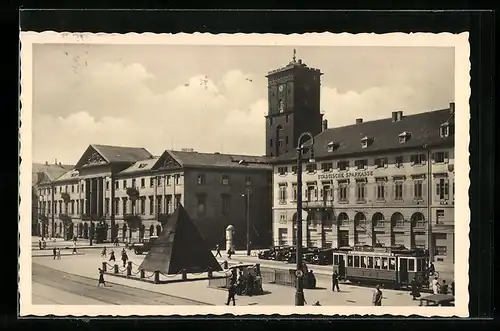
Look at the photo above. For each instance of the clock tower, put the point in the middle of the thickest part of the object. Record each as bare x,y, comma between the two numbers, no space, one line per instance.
293,106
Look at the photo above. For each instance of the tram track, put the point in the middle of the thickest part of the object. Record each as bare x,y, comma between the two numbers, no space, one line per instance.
115,294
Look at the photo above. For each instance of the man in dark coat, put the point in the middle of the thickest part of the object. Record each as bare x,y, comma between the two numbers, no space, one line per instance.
377,297
231,293
414,289
335,281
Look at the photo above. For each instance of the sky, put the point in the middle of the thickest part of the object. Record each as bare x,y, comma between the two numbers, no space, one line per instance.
213,98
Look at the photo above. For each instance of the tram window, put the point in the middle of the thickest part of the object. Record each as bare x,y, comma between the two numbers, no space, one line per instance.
419,264
377,263
392,263
349,261
370,262
385,265
335,260
356,261
411,264
363,261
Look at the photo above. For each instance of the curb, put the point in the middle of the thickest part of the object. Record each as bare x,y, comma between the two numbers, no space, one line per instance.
162,281
62,254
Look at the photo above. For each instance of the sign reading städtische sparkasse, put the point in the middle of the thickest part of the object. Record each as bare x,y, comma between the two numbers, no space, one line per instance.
342,175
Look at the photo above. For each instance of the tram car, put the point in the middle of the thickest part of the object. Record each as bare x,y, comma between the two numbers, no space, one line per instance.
391,267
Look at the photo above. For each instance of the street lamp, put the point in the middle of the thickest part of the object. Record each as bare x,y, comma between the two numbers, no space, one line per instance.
299,294
247,195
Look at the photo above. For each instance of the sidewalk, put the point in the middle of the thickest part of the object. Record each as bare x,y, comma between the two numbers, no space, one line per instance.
87,265
68,244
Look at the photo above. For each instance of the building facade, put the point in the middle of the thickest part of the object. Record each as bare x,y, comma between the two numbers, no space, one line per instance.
130,193
293,106
385,182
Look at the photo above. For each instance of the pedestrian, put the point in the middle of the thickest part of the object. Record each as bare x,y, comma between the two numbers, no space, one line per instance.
231,293
311,279
249,287
377,296
112,256
103,253
435,286
74,247
58,253
432,269
452,287
240,284
217,248
414,289
39,244
335,281
124,257
54,252
44,244
101,278
444,287
116,241
229,253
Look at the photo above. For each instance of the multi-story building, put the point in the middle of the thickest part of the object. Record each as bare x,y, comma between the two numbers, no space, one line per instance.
388,182
132,192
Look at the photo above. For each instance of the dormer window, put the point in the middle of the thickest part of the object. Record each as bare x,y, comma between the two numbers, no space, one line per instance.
332,146
366,141
404,137
444,130
142,165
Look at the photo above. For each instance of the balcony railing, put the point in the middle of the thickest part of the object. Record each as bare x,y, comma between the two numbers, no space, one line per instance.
308,204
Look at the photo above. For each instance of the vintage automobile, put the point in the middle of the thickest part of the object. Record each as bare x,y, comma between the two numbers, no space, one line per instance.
291,256
438,300
144,246
309,255
323,257
268,254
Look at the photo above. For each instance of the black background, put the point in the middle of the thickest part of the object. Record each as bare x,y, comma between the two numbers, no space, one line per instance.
480,25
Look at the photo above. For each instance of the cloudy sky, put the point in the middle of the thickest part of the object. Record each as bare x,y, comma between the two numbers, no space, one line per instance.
213,98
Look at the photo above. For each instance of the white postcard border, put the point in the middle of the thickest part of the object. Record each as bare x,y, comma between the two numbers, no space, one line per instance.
462,213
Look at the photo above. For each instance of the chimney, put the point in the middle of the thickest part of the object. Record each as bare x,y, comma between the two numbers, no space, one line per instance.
325,125
300,61
399,115
46,163
55,161
359,120
452,108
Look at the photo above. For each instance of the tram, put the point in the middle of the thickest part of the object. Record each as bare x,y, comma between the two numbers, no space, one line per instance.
392,267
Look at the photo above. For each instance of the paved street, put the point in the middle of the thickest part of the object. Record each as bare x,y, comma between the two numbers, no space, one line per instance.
51,286
82,289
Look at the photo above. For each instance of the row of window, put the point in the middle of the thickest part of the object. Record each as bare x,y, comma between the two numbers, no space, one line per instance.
362,164
326,193
169,180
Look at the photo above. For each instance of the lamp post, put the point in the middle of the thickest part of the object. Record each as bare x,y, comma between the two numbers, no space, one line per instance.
247,195
299,293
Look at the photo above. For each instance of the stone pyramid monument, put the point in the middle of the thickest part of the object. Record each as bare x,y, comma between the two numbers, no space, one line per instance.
180,246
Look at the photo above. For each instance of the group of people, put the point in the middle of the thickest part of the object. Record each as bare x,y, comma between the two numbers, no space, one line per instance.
112,257
242,284
56,253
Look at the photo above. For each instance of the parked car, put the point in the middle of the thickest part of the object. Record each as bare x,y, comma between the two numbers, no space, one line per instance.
144,246
437,300
292,254
269,254
310,253
323,257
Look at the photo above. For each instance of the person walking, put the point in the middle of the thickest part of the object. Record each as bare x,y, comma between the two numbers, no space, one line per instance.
217,253
101,278
377,296
39,244
435,286
335,281
103,253
124,257
74,247
231,293
58,253
414,289
112,256
229,253
54,252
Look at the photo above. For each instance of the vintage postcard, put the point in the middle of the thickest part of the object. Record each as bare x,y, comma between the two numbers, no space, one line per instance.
244,174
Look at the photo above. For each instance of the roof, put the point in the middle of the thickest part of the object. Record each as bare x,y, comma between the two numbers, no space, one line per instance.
143,165
117,154
383,134
49,172
70,175
215,160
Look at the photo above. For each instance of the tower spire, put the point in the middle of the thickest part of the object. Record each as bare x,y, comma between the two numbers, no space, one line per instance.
294,54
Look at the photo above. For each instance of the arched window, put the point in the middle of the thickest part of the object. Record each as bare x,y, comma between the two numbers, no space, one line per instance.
397,219
360,220
158,229
343,219
378,220
418,220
